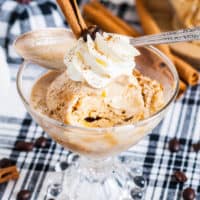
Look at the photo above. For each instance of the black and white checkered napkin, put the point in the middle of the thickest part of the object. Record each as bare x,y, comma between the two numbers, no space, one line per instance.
182,120
17,18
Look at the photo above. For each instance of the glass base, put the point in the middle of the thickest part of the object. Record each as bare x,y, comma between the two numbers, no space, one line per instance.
111,178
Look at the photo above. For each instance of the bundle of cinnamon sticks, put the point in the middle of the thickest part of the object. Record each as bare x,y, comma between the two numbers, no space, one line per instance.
73,16
95,13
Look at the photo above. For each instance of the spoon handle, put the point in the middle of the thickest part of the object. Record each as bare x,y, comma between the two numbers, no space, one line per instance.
182,35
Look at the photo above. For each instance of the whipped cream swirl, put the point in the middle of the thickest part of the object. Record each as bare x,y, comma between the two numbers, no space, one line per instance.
99,61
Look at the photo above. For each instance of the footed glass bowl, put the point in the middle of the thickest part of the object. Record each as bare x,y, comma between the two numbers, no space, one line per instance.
99,173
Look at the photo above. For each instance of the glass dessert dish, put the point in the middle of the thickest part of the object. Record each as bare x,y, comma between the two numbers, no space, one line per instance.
99,172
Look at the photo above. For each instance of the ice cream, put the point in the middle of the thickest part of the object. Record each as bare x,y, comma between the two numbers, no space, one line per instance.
100,87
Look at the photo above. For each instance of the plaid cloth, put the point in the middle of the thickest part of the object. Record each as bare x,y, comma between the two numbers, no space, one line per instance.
17,18
182,121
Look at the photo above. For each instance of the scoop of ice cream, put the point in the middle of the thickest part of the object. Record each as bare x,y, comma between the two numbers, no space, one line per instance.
98,62
76,103
127,99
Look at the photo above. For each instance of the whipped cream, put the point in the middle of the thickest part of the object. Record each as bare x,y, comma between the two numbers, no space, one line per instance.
99,61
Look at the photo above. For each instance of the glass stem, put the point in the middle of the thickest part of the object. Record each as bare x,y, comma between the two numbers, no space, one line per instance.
96,169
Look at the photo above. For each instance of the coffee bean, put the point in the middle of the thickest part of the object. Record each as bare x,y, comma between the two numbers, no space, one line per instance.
174,145
94,30
5,162
180,176
24,146
84,35
41,142
24,195
189,194
196,147
91,30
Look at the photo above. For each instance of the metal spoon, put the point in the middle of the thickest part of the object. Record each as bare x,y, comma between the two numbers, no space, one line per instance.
47,47
182,35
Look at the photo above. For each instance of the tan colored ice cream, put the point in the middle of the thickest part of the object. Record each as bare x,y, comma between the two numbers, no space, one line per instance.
100,87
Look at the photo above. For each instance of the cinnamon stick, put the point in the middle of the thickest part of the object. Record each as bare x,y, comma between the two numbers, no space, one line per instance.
73,16
8,173
186,72
149,25
104,19
182,89
129,30
88,23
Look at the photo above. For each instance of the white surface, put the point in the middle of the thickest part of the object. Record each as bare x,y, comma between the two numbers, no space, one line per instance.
10,104
4,75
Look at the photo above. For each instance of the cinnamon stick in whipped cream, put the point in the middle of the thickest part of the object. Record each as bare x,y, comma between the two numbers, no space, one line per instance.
96,13
186,72
73,16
